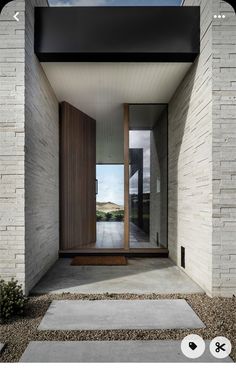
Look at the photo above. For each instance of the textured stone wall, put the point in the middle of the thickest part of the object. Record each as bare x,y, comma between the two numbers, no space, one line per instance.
12,118
224,150
41,162
29,158
190,161
202,156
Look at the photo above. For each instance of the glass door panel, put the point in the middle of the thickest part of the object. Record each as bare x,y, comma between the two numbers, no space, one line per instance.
110,206
148,176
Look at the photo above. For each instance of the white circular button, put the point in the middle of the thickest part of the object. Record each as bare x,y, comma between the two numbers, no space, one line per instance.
193,346
220,347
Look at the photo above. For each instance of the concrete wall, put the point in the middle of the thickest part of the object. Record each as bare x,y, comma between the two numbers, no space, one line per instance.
12,123
28,153
41,162
190,161
224,150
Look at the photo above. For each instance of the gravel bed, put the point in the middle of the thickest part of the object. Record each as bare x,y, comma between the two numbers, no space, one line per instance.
218,314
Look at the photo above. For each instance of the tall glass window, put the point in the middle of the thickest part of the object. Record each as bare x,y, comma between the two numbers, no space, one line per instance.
148,176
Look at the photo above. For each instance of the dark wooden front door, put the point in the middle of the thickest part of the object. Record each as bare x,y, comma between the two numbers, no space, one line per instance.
77,178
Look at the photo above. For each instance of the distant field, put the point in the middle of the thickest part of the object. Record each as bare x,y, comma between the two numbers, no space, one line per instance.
108,207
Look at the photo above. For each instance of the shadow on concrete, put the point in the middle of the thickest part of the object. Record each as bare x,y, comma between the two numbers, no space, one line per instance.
139,276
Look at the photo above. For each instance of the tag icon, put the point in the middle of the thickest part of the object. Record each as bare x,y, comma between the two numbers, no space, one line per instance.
193,346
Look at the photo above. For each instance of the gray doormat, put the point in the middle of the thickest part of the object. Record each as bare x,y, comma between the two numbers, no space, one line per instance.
111,351
119,314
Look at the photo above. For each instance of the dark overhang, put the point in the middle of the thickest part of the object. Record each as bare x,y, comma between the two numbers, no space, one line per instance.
232,3
117,34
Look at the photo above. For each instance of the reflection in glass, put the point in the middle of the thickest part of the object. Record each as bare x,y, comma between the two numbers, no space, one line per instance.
148,176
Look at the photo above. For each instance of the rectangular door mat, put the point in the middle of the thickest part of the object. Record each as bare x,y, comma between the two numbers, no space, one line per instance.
119,314
112,351
99,260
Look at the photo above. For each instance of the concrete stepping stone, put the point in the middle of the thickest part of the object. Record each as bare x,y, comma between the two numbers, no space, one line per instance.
119,314
111,351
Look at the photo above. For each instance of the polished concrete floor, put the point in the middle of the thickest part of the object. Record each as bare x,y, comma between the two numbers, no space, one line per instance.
111,235
141,275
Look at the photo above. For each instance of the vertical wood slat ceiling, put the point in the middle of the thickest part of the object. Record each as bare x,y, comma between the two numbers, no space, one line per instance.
100,89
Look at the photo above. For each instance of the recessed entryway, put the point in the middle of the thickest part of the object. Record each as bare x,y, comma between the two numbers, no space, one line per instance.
114,98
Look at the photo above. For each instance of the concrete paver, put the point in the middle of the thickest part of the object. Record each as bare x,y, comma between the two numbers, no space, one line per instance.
119,314
111,351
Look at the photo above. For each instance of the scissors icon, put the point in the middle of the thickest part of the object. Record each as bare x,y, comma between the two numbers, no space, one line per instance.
219,347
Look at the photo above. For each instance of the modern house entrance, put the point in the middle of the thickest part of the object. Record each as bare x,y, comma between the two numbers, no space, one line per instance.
112,65
114,112
138,225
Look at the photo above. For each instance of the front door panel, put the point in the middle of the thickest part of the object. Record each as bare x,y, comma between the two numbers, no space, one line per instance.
77,178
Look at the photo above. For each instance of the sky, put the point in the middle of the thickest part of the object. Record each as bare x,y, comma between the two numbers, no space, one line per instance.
114,2
110,183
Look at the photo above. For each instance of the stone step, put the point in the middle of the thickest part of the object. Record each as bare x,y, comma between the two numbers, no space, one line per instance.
111,351
119,314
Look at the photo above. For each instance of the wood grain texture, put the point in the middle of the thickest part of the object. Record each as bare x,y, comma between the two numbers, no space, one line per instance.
77,178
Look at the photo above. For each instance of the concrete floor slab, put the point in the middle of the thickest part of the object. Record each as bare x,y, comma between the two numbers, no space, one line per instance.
140,276
111,351
119,314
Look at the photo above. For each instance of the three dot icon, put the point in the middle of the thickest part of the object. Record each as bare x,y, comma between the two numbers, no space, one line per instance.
219,16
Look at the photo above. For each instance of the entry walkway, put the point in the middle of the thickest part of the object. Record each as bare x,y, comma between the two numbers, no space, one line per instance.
140,276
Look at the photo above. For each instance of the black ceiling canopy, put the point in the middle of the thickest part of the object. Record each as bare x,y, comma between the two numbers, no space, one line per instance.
117,34
232,3
3,3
